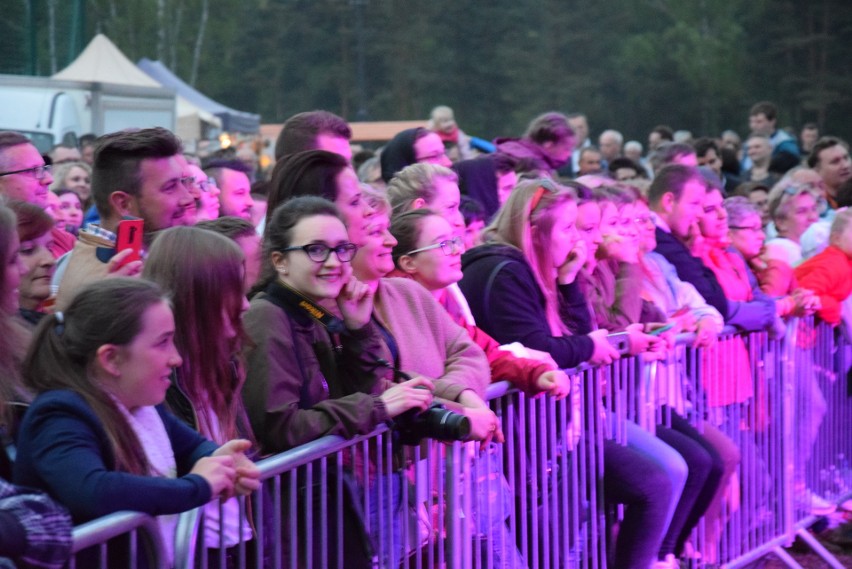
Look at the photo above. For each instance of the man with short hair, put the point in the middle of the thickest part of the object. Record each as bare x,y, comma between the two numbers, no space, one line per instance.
136,174
61,153
609,143
580,125
759,151
808,137
234,186
590,162
830,159
672,153
23,173
244,235
676,199
762,120
545,147
25,177
314,130
660,134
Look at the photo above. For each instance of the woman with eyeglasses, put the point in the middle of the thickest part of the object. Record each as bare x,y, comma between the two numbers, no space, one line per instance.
207,206
311,373
428,253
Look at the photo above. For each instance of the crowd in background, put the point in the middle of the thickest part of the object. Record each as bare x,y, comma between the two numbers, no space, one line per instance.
166,321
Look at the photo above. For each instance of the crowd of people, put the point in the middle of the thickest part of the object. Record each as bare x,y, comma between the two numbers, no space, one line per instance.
165,321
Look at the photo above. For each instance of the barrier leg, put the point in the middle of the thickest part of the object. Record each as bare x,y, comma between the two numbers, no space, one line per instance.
818,548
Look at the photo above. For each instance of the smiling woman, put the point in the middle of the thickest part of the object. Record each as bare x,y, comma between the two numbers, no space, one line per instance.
34,233
311,373
93,438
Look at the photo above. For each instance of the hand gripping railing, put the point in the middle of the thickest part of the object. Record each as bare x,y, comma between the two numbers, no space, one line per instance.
538,500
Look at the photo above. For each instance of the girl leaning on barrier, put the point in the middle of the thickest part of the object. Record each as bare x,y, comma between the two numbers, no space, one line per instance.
310,373
96,438
202,272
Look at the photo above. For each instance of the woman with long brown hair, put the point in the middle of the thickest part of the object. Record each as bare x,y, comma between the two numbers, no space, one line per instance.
96,438
13,335
202,272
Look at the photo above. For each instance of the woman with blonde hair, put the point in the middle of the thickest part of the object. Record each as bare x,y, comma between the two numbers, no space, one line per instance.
522,286
518,283
74,176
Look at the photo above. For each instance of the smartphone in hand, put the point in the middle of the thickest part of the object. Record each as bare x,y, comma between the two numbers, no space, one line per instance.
129,236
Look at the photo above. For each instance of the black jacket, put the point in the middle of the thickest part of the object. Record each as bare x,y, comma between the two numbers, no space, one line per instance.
690,269
509,305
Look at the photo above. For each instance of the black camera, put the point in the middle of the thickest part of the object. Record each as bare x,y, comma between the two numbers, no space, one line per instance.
436,422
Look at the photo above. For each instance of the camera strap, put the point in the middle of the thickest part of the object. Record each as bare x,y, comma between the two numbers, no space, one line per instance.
299,302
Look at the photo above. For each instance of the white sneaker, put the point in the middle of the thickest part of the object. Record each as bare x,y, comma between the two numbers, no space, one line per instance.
670,562
815,504
846,505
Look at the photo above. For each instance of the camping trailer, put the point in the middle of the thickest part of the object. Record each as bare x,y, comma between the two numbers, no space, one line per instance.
51,111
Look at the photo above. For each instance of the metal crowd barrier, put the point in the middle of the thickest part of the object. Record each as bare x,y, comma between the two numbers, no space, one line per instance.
97,545
538,499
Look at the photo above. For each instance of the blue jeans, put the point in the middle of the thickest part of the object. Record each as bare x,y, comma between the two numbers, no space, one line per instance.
388,505
647,476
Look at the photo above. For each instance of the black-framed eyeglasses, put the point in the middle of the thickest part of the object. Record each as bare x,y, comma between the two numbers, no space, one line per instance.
319,252
38,172
448,246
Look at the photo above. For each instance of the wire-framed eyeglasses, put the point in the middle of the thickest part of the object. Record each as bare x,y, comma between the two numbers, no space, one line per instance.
448,246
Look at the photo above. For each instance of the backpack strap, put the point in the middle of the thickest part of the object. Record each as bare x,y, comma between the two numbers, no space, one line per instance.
489,284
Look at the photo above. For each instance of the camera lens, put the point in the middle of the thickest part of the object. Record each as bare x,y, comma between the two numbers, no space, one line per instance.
445,425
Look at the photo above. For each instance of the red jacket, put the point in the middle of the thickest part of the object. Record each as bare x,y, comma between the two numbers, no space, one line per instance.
829,275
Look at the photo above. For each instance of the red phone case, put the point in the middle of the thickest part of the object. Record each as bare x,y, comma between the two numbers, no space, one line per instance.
129,236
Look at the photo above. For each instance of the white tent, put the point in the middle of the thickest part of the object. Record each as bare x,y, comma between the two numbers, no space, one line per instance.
102,61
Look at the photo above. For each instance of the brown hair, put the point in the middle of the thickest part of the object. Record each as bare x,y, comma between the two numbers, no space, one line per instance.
33,221
14,334
310,173
117,159
549,127
65,345
231,227
202,271
671,179
279,232
406,230
300,132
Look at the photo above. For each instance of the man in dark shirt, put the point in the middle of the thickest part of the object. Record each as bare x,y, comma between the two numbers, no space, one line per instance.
676,198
